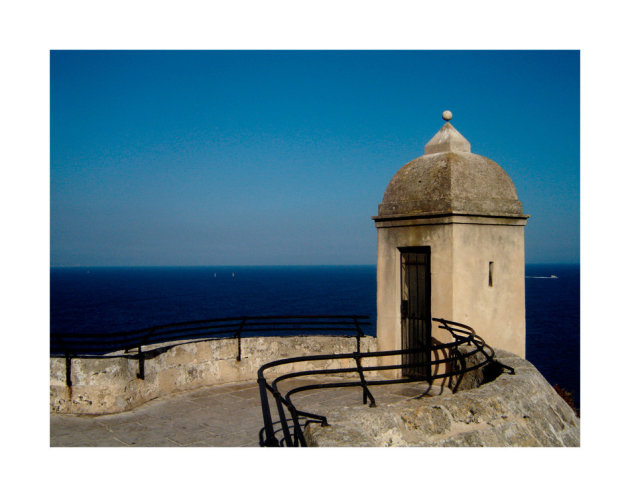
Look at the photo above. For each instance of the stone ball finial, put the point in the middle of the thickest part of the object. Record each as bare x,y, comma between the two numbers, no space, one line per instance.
447,115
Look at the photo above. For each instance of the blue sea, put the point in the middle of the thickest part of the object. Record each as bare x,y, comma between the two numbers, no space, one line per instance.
101,299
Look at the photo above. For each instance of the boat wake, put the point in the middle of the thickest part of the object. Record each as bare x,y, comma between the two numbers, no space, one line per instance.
552,277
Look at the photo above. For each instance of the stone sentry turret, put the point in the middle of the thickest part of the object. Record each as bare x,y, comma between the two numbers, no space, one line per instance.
450,245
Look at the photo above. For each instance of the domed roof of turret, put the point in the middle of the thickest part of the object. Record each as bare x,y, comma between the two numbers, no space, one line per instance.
449,179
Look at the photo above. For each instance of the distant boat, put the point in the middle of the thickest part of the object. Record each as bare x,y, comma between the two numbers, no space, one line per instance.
232,275
553,276
215,275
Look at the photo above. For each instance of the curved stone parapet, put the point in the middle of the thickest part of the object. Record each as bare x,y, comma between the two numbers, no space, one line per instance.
110,384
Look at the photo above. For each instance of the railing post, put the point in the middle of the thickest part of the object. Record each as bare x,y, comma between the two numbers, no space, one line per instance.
270,439
298,435
359,333
140,363
68,370
366,391
238,336
283,418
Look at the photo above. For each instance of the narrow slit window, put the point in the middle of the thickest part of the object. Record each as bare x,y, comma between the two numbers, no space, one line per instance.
490,273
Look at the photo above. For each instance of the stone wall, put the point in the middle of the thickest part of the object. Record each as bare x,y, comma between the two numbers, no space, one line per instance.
520,410
110,384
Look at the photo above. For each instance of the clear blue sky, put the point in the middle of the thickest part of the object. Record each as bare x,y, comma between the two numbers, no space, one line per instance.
262,157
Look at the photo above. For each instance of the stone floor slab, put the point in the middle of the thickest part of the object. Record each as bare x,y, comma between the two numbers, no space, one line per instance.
214,416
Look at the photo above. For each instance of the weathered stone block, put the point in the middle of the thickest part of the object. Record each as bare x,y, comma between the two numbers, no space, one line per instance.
520,410
111,384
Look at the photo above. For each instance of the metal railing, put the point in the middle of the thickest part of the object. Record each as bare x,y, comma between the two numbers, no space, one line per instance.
103,344
292,420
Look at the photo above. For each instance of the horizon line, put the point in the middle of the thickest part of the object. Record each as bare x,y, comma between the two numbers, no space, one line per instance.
249,265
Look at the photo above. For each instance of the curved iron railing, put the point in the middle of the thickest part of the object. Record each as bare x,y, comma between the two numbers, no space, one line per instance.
102,344
452,365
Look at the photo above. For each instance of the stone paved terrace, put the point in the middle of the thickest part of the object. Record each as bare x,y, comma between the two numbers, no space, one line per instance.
226,415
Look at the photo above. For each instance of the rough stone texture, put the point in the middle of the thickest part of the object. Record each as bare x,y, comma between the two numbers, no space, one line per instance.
520,410
450,183
110,384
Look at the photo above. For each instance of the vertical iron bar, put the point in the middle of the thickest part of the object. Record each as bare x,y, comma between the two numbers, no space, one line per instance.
417,342
238,336
140,363
283,418
359,333
145,339
270,440
407,321
68,370
366,391
298,435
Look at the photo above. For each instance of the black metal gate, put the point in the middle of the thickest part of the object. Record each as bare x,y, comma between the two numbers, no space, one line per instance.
415,309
